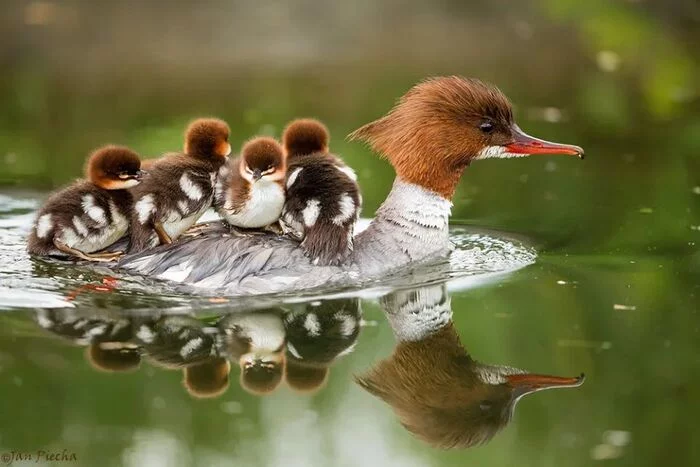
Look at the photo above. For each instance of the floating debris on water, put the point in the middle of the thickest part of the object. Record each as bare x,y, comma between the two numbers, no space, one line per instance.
232,407
620,307
696,190
562,282
645,210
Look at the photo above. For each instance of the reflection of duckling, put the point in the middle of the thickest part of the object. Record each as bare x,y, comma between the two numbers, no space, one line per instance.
176,341
316,337
256,340
89,215
320,333
108,343
208,378
323,198
180,187
113,357
437,390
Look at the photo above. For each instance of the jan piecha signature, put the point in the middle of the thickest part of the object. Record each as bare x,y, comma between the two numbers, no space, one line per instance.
40,455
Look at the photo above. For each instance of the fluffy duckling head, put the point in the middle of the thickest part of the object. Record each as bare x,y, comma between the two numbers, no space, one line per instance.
261,374
263,159
305,136
207,379
113,357
207,138
114,168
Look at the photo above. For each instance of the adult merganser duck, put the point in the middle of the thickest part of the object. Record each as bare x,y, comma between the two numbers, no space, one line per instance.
323,198
250,189
437,390
435,131
89,215
180,187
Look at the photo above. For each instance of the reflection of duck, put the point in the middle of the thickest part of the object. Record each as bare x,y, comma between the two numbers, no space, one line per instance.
256,340
437,390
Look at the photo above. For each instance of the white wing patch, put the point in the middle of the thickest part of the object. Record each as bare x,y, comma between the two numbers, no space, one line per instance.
311,212
43,225
93,211
346,206
191,190
293,176
144,208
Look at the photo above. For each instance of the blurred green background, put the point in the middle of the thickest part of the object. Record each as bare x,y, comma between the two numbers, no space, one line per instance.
619,77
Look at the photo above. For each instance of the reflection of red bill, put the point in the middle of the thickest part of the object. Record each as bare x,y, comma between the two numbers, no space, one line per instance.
108,284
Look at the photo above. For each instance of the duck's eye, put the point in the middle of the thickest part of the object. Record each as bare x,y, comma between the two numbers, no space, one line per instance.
486,127
247,169
270,167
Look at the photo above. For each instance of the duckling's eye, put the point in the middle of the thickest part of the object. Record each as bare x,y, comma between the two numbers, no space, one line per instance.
486,127
247,169
270,167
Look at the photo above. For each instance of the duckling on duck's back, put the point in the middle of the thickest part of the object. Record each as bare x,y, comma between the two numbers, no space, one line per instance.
323,197
250,189
89,215
180,187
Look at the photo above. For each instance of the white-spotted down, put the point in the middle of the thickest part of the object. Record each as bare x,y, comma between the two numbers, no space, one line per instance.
191,190
311,212
293,176
346,206
93,211
43,226
145,207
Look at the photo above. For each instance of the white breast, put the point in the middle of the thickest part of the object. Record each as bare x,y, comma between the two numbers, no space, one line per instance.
262,209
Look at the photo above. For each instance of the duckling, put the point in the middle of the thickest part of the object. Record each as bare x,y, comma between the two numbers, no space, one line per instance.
256,340
323,198
180,187
250,189
89,215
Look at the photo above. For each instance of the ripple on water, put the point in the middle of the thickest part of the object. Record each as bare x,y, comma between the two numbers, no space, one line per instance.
478,257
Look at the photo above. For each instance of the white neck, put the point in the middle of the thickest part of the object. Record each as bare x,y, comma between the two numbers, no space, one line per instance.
410,226
417,313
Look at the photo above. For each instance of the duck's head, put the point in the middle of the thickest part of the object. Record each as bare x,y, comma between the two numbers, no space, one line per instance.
262,159
114,168
208,378
207,138
261,373
442,124
305,136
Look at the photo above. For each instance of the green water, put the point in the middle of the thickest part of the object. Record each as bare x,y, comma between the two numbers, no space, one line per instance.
613,292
